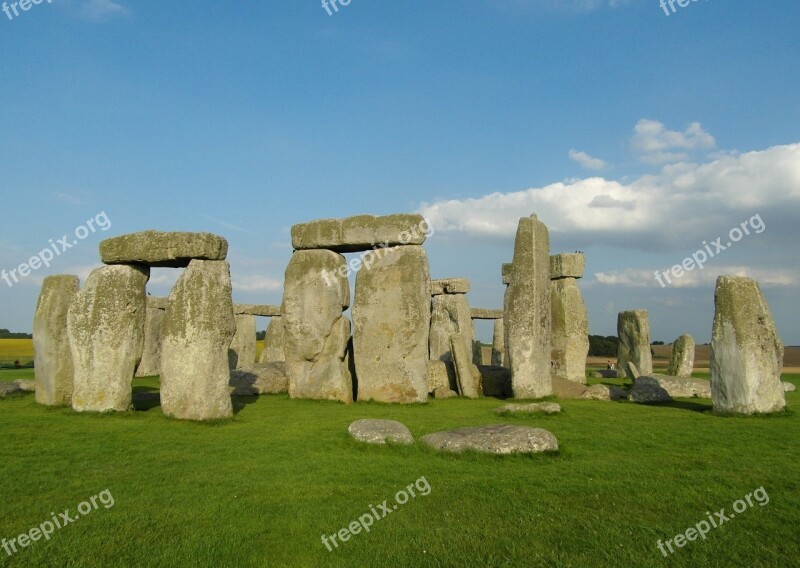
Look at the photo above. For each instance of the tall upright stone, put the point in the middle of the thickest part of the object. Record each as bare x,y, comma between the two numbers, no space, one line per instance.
392,317
746,352
242,352
570,318
106,335
681,359
450,314
633,330
151,353
52,357
195,335
498,344
316,351
274,342
528,312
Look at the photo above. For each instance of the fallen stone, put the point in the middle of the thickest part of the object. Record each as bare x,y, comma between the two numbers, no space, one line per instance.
105,325
392,318
268,378
53,357
746,352
443,392
151,352
449,286
647,391
155,248
498,439
486,314
8,388
361,233
681,359
535,407
528,314
596,375
195,335
788,387
567,265
563,388
372,431
26,385
679,387
633,330
263,310
605,392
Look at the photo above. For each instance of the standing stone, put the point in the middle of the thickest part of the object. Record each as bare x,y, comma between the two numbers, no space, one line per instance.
274,342
528,313
746,353
450,314
392,317
242,352
106,335
633,330
151,353
195,336
469,378
570,330
498,344
681,359
316,333
52,357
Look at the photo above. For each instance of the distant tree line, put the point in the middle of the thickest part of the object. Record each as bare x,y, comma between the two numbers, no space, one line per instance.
260,335
5,334
600,346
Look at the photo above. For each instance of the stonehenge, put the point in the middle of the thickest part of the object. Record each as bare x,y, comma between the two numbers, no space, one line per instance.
450,314
633,330
274,342
242,351
151,351
681,359
570,321
746,352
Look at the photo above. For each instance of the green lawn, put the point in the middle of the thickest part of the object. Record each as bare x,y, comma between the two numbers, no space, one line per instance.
262,488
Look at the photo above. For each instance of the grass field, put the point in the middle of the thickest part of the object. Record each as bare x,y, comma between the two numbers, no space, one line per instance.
262,488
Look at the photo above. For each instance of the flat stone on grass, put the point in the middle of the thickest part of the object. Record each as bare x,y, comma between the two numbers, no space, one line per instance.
373,431
534,407
500,439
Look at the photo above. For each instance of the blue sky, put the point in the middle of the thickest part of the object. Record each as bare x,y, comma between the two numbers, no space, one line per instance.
633,135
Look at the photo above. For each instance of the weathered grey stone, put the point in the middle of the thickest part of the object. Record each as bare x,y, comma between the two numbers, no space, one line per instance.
570,342
274,342
567,265
678,387
242,352
633,370
788,387
316,333
449,286
266,378
495,381
469,384
9,388
506,273
528,314
106,336
195,335
449,315
486,314
443,392
361,233
495,439
30,386
499,344
605,392
156,248
157,302
256,310
53,359
596,375
645,391
533,408
563,388
746,352
372,431
633,330
681,359
151,352
392,317
439,375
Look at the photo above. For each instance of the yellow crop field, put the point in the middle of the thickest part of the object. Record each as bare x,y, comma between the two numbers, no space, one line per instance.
16,349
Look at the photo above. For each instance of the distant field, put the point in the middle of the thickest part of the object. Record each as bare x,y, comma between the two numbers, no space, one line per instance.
16,349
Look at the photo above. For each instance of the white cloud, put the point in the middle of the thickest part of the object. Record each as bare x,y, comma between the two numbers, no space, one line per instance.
684,203
99,10
656,145
257,283
587,161
645,278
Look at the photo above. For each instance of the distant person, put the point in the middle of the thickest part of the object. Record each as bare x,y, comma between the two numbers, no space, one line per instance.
16,364
608,366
